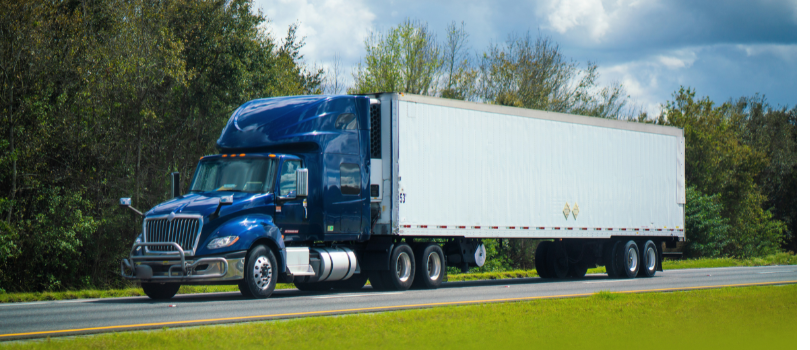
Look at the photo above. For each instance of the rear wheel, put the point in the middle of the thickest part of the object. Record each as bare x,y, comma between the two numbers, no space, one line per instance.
430,266
557,261
261,273
612,259
160,291
540,259
649,260
400,276
630,259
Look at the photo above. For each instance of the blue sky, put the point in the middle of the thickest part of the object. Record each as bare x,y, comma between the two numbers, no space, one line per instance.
723,49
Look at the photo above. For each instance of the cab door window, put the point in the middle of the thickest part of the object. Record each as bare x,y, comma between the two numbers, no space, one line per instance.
286,184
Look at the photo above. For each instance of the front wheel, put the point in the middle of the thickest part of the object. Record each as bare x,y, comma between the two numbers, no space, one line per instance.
261,273
160,291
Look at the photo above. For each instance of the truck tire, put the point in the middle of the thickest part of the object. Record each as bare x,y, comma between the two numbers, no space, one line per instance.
557,261
160,291
649,260
430,266
356,282
540,259
630,259
261,273
400,276
612,258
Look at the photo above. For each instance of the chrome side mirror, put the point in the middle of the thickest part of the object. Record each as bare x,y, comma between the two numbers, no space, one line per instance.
302,182
127,203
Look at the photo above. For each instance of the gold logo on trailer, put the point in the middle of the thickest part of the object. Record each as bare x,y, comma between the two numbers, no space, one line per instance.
575,211
566,210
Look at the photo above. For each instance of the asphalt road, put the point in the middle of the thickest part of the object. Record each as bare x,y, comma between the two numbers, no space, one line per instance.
72,317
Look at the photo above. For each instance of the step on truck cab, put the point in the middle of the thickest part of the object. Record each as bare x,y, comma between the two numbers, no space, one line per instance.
330,192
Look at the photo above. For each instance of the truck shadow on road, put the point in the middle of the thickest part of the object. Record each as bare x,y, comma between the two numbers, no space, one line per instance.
294,293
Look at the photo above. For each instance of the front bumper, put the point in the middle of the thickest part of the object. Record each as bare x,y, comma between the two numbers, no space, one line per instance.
176,268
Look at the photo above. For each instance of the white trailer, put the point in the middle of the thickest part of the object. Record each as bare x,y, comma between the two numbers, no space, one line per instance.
450,168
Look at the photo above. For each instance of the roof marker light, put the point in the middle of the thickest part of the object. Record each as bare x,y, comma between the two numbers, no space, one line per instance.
242,155
224,155
233,155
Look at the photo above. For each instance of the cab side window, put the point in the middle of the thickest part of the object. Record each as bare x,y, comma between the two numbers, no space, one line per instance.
346,121
349,179
286,184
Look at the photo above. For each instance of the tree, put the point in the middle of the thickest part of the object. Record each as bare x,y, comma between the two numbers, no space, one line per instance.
406,58
718,162
533,73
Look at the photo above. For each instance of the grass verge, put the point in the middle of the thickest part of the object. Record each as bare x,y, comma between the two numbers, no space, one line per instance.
775,259
728,318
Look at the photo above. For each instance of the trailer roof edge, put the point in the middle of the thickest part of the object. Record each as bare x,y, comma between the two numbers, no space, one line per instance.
538,114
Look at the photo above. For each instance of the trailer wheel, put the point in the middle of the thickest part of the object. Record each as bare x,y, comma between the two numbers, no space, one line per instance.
649,260
430,266
401,274
540,259
160,291
612,258
557,260
630,259
261,273
356,282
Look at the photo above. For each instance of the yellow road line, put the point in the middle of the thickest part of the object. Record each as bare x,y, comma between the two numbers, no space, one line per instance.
378,308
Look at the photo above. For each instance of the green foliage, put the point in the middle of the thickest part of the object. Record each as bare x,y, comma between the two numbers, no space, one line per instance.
719,162
708,229
102,100
406,58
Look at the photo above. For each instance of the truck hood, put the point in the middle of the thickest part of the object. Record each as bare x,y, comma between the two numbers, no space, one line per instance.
205,203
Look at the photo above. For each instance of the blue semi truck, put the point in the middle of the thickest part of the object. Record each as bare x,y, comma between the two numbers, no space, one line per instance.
331,192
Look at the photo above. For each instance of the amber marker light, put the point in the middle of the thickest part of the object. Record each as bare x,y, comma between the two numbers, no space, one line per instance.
224,155
271,155
233,155
242,155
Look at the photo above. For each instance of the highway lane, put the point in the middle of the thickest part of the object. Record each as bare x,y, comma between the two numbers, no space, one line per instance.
71,317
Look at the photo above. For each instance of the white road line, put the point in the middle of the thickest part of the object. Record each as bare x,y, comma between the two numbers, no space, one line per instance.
633,280
776,272
354,295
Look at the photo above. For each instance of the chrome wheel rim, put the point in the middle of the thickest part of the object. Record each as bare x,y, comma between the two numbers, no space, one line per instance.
434,266
262,271
403,267
632,259
650,259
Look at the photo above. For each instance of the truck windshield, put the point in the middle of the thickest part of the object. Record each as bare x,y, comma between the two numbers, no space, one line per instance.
234,174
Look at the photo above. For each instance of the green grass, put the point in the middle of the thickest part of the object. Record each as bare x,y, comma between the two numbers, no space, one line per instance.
775,259
730,318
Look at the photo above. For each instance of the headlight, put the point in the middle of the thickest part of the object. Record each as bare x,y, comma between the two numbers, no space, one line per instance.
222,242
139,240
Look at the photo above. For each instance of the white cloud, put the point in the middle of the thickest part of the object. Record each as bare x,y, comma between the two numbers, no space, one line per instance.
330,26
786,52
595,17
649,80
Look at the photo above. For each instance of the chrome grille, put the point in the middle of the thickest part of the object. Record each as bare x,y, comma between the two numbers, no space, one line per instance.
183,230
